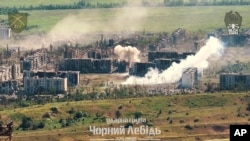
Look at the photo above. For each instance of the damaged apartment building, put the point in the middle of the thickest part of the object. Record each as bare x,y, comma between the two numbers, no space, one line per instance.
73,77
231,81
189,78
8,78
93,64
46,81
36,85
34,62
157,59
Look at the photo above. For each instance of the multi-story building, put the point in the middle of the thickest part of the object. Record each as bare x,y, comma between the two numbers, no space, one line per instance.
4,33
189,78
9,87
35,61
153,55
230,81
33,85
163,64
73,77
140,69
70,53
10,72
16,71
86,65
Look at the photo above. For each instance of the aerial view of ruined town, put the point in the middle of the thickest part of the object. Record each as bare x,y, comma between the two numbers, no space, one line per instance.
124,70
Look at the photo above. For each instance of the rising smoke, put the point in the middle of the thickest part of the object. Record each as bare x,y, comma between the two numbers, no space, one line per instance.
81,29
212,49
129,54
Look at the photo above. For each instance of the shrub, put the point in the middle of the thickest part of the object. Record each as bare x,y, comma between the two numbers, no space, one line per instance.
117,114
46,115
182,121
120,107
71,111
196,120
189,127
137,115
26,123
170,121
127,125
54,110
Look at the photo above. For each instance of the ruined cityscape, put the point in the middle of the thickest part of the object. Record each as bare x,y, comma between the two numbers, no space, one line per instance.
71,85
57,70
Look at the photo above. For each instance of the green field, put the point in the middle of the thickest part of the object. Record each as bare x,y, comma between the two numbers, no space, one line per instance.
193,19
207,115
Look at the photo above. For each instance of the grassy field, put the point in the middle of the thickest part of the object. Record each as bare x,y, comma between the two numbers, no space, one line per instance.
193,19
208,115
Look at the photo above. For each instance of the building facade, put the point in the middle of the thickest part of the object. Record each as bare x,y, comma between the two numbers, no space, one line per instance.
8,72
4,33
73,77
34,85
140,69
35,61
87,65
189,78
230,81
9,87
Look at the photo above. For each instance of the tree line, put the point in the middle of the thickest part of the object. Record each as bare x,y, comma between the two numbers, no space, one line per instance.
83,4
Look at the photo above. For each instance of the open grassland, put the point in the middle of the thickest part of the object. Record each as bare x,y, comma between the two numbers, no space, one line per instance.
182,117
155,19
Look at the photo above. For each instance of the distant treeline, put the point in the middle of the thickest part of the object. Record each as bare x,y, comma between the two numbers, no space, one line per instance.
78,5
204,2
83,4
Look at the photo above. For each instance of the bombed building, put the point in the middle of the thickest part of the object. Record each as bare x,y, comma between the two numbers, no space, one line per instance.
158,59
189,78
169,55
231,81
179,35
86,65
73,77
163,64
235,40
8,72
120,66
9,87
140,69
4,33
54,85
71,53
34,62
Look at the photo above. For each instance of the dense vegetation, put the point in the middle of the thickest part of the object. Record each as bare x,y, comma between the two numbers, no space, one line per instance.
83,4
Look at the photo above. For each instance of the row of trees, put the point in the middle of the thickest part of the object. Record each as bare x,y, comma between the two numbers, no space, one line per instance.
6,10
204,2
78,5
84,4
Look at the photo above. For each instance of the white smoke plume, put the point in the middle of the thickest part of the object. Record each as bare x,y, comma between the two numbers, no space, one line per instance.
129,54
213,48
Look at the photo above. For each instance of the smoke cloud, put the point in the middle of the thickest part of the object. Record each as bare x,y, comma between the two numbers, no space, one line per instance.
82,29
129,54
212,49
